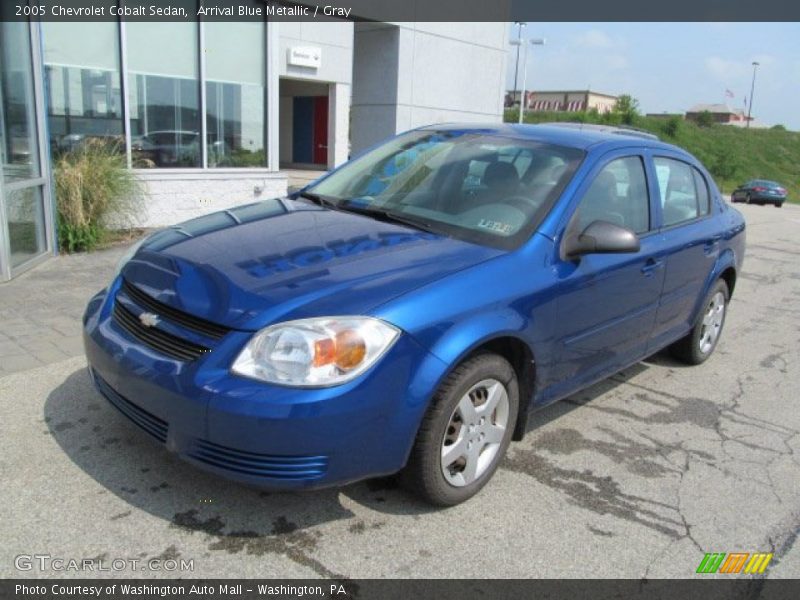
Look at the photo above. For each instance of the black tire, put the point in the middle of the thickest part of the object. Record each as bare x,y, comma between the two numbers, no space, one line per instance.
778,204
423,474
689,349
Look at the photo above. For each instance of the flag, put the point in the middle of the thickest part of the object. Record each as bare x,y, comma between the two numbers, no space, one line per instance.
728,94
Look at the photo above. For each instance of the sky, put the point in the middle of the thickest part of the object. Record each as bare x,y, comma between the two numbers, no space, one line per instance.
669,67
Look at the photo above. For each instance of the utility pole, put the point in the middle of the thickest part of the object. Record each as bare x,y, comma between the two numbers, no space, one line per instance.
533,42
752,89
520,25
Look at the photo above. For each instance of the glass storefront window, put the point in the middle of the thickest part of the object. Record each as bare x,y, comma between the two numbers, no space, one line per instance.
235,77
19,152
164,94
26,229
83,83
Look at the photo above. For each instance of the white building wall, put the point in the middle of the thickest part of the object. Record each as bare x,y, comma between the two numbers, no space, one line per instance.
429,73
177,195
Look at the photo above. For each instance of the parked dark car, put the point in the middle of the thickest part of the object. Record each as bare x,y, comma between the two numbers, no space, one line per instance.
408,311
167,148
760,191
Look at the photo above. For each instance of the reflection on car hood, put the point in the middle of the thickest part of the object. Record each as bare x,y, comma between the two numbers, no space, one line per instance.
283,259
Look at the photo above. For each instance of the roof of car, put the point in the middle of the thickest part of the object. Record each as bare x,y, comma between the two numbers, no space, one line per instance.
576,135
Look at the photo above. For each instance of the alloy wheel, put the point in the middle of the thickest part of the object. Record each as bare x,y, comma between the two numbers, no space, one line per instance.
475,432
712,322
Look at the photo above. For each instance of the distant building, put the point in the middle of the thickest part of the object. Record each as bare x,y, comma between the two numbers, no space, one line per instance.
664,115
570,101
721,113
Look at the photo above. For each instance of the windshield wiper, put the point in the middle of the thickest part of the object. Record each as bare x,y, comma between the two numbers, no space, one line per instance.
326,201
389,216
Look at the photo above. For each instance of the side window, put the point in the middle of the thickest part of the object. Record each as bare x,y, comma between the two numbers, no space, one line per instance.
680,200
703,196
618,195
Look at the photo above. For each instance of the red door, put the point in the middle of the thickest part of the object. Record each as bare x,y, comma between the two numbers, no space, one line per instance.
320,150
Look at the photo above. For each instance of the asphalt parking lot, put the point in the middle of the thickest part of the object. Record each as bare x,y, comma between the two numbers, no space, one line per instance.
638,476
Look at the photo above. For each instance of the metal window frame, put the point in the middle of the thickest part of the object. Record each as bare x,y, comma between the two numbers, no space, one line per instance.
271,98
43,180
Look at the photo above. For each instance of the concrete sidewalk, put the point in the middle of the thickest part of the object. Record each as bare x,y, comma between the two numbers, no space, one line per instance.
40,311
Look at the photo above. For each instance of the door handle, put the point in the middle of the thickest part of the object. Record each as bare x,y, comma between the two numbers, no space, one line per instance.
651,266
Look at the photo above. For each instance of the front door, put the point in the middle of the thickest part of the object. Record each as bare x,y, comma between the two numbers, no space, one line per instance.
321,130
310,130
607,303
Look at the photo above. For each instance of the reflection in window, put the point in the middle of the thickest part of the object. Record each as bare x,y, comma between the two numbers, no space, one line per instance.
18,148
618,195
164,94
234,54
25,216
83,84
679,201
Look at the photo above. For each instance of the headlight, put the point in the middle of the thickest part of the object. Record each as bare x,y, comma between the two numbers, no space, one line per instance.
315,352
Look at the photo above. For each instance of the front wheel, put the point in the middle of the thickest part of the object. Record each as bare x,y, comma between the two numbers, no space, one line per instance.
700,342
465,432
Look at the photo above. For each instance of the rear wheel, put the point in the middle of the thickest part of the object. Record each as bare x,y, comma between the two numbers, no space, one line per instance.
700,342
778,204
466,431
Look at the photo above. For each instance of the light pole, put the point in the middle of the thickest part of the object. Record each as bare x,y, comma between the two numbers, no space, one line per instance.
752,89
520,25
534,42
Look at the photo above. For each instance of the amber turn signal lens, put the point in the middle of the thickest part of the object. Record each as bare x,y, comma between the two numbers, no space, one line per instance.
350,349
346,350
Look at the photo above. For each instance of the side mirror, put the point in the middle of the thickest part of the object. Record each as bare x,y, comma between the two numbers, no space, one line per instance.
601,237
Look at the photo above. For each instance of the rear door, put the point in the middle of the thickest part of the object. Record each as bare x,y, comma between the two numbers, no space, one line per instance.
691,239
607,303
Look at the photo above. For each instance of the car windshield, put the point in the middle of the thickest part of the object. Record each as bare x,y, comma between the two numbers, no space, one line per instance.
480,188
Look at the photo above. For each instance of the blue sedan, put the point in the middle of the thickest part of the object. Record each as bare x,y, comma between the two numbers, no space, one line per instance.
760,191
410,310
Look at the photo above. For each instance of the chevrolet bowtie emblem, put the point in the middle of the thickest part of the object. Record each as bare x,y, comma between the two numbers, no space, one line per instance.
148,319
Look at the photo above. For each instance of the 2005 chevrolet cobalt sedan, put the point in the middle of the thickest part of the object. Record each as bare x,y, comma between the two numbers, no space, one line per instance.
409,310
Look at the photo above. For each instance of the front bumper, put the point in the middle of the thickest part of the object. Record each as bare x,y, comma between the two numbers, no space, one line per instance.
258,433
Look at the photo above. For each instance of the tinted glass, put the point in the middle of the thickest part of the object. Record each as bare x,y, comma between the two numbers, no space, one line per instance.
164,94
618,195
25,216
83,84
18,147
234,53
485,189
676,184
703,203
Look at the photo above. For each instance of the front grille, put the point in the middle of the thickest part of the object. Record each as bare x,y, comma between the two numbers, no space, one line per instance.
206,328
259,465
149,423
166,343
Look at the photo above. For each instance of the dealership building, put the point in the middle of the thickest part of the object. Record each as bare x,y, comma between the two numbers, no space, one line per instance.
211,114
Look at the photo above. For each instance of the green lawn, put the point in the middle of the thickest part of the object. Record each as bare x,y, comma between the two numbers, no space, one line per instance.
733,155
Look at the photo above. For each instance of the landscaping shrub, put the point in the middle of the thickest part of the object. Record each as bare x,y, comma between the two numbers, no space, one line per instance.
93,186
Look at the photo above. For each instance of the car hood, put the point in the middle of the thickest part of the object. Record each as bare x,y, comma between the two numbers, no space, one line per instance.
284,259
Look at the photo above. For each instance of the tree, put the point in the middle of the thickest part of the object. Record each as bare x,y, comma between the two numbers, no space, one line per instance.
705,119
627,108
672,126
